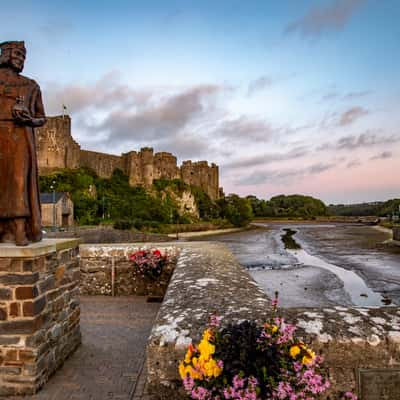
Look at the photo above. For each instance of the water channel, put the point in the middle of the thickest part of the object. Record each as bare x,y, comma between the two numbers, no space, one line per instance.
337,264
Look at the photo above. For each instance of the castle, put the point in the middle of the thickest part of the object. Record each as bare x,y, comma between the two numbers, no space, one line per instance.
56,149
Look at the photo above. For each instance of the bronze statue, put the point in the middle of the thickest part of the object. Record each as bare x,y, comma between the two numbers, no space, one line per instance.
21,110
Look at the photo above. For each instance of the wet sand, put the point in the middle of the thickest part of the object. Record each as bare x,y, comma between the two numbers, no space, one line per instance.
360,249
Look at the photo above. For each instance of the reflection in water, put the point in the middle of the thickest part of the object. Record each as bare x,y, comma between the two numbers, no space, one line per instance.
360,293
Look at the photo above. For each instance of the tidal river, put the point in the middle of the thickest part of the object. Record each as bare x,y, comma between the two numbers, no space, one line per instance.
336,265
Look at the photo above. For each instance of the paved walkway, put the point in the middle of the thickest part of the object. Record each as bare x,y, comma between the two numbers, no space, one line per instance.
108,364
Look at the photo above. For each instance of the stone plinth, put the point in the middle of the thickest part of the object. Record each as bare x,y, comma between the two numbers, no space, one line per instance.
39,312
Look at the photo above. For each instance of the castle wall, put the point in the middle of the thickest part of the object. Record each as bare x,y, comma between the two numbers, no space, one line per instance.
56,149
103,164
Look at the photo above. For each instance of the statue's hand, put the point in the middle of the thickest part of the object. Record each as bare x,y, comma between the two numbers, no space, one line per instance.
37,122
21,114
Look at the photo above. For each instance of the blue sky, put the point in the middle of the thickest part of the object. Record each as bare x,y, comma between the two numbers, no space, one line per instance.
286,96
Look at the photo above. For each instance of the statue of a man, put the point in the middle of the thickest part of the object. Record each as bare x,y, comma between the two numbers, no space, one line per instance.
21,110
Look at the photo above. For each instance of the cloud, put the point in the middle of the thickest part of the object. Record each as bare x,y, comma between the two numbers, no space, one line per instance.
351,115
357,95
365,140
335,95
246,128
113,117
161,118
325,18
330,96
283,176
259,84
343,119
353,164
382,156
266,158
104,94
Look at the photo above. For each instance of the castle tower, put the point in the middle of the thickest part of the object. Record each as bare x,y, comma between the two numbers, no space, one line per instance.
147,165
56,149
132,168
165,166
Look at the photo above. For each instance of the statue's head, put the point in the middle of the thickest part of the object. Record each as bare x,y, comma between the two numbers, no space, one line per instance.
13,55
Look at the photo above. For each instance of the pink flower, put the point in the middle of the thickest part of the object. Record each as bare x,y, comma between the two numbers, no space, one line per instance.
350,396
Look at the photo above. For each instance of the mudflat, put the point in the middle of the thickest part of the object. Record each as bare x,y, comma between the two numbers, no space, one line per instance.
332,250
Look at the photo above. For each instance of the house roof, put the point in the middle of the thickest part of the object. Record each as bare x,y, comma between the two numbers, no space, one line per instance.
46,198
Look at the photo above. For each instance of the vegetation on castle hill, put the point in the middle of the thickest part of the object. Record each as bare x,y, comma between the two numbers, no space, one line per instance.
293,206
97,200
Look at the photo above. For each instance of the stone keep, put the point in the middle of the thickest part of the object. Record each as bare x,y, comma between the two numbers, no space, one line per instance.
39,312
57,149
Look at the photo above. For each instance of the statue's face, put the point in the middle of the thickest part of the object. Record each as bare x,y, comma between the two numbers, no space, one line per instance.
17,59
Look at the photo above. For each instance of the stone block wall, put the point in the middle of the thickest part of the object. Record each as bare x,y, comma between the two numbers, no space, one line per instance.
103,164
99,261
39,312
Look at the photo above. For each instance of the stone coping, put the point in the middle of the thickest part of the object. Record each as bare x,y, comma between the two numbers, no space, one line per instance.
123,249
36,249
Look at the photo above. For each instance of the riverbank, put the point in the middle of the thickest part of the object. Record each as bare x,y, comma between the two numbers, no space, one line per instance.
209,233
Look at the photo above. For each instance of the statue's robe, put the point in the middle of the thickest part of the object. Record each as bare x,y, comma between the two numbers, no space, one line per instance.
19,186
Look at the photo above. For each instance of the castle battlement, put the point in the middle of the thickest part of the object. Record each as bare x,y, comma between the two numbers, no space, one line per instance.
56,149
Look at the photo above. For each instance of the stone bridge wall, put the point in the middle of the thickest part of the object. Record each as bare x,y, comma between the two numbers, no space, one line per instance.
208,280
396,233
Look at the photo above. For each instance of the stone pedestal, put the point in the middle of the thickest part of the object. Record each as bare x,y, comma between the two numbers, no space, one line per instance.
39,312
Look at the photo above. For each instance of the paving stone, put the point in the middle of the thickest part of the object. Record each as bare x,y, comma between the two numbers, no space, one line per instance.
109,363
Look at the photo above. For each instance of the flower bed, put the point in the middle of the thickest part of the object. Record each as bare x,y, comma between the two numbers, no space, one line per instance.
97,265
148,263
246,361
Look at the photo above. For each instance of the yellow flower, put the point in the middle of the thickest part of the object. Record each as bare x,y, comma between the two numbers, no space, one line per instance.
274,328
207,335
211,368
294,351
188,370
188,356
206,349
309,356
182,370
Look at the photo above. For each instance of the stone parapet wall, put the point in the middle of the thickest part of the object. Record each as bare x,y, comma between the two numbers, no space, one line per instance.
106,270
39,312
396,233
208,280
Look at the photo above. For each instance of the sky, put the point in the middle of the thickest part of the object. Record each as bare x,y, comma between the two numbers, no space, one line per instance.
285,96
